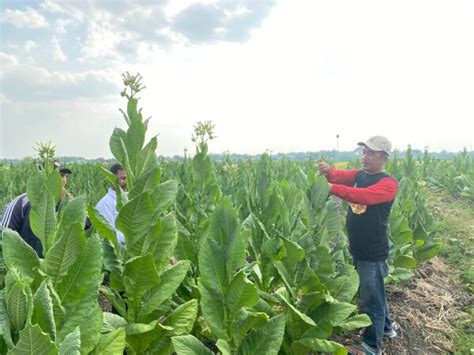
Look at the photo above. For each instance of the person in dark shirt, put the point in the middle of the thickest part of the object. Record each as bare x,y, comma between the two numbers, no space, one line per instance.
16,215
370,193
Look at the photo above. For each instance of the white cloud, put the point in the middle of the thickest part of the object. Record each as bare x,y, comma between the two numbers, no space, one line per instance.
58,53
23,19
30,83
101,42
287,81
72,9
60,25
7,59
117,29
29,45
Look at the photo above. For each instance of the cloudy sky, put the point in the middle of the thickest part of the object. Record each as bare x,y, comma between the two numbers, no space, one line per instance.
278,75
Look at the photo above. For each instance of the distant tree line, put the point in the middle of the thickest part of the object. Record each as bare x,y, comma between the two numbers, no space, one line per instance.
327,154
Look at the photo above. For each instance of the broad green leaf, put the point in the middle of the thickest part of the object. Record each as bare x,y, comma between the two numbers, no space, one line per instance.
319,192
141,337
202,170
241,293
17,253
296,314
356,322
161,241
399,275
401,233
43,220
322,263
234,245
213,311
182,319
266,340
58,310
132,111
211,266
428,252
147,182
185,248
273,210
71,344
170,281
334,313
134,140
189,345
320,344
64,253
112,321
43,193
43,314
54,185
286,277
139,328
306,279
294,253
5,328
116,146
224,347
90,329
74,212
112,262
147,162
332,220
103,227
112,343
419,233
162,346
85,274
40,182
321,331
78,290
405,261
244,321
134,217
18,299
164,196
344,288
139,276
33,341
222,246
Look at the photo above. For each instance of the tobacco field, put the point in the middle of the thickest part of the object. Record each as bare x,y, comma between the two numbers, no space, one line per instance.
246,257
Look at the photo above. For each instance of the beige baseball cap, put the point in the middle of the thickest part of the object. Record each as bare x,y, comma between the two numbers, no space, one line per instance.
378,144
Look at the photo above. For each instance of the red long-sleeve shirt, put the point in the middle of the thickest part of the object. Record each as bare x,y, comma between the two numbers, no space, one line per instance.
342,186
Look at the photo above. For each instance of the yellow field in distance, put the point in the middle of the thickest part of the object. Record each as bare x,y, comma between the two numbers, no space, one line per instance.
341,165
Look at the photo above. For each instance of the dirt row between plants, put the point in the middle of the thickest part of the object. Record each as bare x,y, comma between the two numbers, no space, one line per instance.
424,309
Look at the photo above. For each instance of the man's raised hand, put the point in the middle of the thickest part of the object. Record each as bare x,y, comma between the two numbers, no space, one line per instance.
323,167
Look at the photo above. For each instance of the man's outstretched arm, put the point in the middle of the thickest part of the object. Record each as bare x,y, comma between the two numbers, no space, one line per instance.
383,191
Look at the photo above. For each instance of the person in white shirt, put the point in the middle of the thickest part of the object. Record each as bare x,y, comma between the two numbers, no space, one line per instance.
107,206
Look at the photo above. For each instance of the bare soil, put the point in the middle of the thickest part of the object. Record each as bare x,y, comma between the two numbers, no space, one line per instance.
424,309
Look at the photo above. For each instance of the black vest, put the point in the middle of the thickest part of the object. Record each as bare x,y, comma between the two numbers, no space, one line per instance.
368,232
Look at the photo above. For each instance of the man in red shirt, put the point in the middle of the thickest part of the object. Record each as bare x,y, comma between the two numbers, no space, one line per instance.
370,193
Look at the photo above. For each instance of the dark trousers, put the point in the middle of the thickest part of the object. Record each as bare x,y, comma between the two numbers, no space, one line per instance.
372,299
